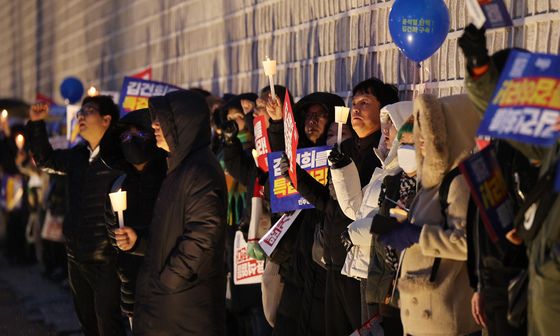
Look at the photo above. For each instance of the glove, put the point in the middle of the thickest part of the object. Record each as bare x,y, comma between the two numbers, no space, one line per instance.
473,44
391,258
230,131
285,166
338,159
402,237
346,241
255,251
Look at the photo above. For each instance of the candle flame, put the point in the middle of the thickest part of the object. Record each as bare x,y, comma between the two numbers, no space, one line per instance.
20,141
92,91
4,114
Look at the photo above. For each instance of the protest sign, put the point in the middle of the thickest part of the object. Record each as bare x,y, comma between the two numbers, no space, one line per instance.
290,137
270,239
135,93
489,191
526,102
283,196
262,145
246,270
489,13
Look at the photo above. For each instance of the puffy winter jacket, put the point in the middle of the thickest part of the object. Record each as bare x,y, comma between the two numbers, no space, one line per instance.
181,286
358,203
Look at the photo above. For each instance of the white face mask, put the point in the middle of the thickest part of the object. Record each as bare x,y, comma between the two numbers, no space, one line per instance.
407,158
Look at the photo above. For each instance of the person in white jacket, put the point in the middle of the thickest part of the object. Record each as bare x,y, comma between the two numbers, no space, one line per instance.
358,203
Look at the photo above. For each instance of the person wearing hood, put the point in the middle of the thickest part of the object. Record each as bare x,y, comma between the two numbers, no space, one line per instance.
181,285
91,168
541,231
434,284
141,182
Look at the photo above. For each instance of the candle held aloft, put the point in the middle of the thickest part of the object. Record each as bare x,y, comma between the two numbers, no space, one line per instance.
340,117
20,141
270,70
92,91
4,115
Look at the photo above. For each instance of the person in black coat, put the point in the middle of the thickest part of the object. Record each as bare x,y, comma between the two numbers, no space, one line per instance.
181,285
142,182
91,168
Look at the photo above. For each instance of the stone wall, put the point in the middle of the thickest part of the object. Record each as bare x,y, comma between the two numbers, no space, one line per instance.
320,45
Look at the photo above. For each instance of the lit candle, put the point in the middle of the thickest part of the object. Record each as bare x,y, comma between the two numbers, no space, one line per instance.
20,141
118,201
270,70
92,91
340,117
4,115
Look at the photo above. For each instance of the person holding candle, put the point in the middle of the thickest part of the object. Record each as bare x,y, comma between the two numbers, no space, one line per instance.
181,285
91,168
142,183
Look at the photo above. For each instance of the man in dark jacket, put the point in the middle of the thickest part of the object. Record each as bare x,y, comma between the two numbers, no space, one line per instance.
143,180
181,286
91,167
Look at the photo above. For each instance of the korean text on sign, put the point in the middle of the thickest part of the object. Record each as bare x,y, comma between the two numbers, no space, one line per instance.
283,196
135,93
526,102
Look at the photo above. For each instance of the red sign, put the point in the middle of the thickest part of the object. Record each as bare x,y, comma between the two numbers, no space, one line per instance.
246,270
290,137
261,141
144,74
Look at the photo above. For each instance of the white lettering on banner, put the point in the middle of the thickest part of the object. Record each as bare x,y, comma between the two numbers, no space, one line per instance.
306,160
276,167
147,89
258,130
270,240
159,90
133,88
519,65
528,121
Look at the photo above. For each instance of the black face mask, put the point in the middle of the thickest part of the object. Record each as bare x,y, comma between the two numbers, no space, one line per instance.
138,150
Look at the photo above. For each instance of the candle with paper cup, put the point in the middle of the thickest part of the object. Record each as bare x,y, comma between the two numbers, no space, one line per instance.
118,201
270,70
20,141
340,117
92,91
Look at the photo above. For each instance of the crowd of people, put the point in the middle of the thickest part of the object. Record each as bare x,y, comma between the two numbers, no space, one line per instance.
394,242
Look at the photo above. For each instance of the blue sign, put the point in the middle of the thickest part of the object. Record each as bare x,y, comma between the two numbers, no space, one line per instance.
489,191
283,196
496,14
526,103
135,93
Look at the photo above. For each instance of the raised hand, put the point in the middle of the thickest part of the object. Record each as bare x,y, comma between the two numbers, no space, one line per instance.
38,111
274,108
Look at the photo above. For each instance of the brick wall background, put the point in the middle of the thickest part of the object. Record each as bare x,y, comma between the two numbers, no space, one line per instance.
320,45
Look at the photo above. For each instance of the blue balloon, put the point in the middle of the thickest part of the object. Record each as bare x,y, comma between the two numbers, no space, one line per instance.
72,89
419,27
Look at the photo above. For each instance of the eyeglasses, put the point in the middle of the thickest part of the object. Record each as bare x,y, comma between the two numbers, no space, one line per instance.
128,135
87,110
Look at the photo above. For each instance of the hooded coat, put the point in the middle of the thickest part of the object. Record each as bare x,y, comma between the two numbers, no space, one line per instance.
181,286
358,203
442,306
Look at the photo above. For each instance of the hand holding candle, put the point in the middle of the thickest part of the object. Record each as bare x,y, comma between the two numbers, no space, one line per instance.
340,117
4,123
270,70
118,201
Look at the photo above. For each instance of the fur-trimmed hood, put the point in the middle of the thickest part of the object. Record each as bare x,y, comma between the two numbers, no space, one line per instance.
448,126
398,113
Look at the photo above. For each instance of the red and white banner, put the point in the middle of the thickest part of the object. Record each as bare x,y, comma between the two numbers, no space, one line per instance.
144,74
270,240
246,270
261,141
290,137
